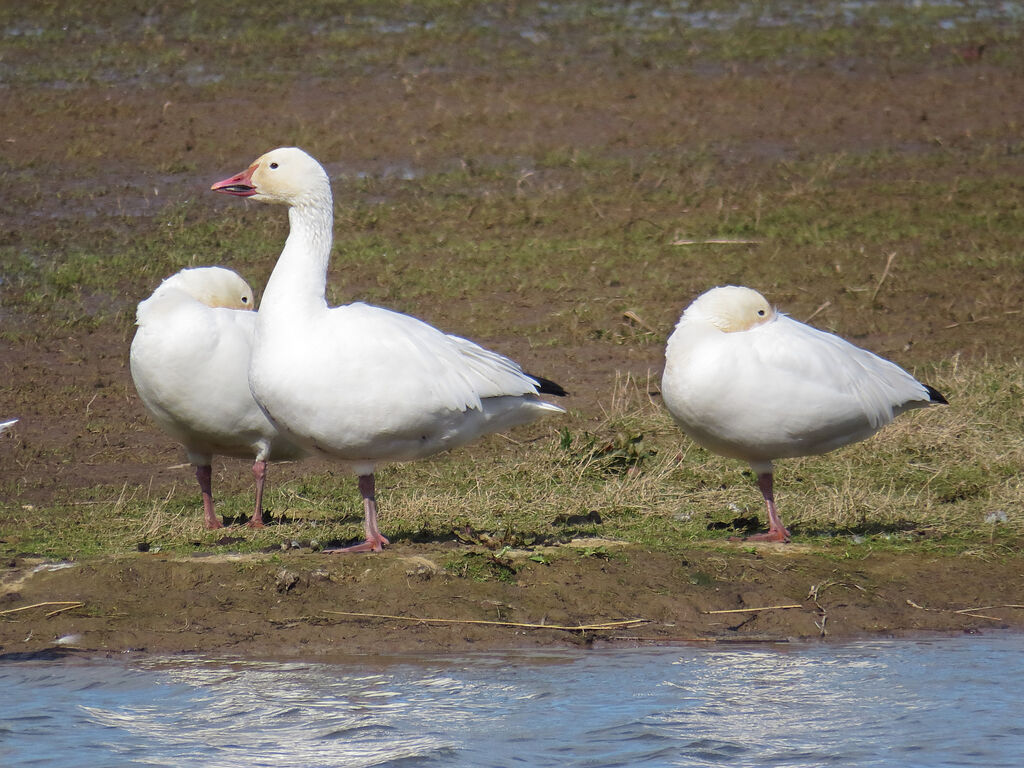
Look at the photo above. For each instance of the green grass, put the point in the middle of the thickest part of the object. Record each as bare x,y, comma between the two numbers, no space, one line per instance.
930,479
448,240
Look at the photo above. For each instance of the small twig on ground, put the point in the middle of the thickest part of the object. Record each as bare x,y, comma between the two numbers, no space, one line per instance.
815,591
981,319
605,625
68,605
821,308
629,314
986,607
885,274
65,608
968,611
821,624
716,241
816,588
718,639
764,608
971,611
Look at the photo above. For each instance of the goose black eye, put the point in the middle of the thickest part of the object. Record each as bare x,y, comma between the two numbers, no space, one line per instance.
273,166
245,299
760,313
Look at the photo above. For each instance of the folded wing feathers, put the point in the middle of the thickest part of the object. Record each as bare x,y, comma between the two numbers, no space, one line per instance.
491,374
460,372
883,389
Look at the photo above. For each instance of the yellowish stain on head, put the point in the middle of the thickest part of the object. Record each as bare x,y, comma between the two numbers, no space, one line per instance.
215,287
732,308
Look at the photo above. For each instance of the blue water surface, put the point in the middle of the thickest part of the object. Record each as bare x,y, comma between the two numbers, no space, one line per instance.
950,701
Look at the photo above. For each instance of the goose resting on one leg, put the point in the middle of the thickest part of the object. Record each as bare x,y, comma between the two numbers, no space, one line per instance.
750,383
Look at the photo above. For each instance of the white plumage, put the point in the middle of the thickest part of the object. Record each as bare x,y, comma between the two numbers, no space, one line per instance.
190,361
360,383
750,383
5,425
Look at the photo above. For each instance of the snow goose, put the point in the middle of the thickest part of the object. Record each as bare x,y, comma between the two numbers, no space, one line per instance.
750,383
190,361
359,383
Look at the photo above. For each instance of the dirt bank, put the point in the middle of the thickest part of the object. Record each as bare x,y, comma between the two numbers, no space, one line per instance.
302,604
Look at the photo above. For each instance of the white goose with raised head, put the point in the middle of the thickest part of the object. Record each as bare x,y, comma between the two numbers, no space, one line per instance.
359,383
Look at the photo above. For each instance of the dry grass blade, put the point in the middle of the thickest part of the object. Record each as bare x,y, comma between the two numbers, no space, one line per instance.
821,308
635,318
605,625
763,608
981,319
716,241
972,611
68,605
885,274
967,611
51,614
986,607
736,640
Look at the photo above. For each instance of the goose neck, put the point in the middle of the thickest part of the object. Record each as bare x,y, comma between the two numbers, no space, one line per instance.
301,272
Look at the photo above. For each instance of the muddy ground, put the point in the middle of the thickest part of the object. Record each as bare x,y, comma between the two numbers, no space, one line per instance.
106,160
303,605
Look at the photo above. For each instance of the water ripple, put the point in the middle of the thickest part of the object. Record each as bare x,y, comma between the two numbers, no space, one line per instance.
861,704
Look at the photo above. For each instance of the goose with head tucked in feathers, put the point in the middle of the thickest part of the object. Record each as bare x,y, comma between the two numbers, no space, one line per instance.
363,384
750,383
190,363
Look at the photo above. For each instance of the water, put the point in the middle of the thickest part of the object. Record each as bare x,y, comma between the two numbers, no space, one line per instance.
941,702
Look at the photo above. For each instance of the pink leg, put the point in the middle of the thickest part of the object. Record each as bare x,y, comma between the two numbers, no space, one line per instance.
776,531
374,541
259,471
203,475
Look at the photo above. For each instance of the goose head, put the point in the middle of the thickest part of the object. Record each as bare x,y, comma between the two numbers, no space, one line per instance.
285,175
212,286
730,309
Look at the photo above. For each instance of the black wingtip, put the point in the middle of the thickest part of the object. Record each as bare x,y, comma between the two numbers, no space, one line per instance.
547,386
936,396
